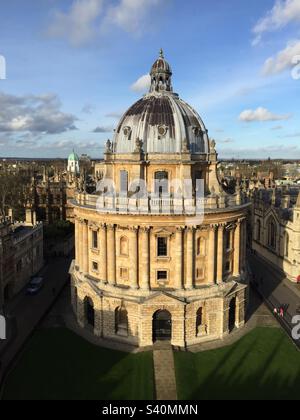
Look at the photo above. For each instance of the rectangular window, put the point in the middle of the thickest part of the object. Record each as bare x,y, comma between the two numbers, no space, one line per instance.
228,240
162,275
124,273
95,266
95,239
162,247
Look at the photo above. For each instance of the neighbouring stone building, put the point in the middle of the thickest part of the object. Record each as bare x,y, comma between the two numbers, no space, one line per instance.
276,228
49,196
21,255
149,265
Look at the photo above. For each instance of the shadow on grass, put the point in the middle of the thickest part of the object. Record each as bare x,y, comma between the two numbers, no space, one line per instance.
59,365
262,365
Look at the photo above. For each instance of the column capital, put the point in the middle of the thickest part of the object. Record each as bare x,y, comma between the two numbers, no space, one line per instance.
222,226
145,229
133,228
93,226
179,229
191,228
213,226
110,227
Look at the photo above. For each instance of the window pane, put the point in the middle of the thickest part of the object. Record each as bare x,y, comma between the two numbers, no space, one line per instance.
162,247
161,182
162,275
95,239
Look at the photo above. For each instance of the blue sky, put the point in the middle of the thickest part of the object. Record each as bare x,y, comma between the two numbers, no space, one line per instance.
71,69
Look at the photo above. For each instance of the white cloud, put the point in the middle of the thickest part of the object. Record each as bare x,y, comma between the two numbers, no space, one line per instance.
87,19
283,60
103,129
34,114
129,15
283,13
261,114
142,84
78,24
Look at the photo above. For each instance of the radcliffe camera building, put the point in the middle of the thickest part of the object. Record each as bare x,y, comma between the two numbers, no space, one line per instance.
148,266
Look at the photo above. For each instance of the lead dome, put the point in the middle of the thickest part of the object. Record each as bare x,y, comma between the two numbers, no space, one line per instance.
161,120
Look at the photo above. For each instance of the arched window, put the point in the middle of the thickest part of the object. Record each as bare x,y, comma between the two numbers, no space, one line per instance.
272,235
286,245
232,314
121,321
201,246
89,311
228,241
124,246
201,327
258,232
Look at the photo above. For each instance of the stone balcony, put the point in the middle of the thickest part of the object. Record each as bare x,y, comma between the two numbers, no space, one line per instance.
120,204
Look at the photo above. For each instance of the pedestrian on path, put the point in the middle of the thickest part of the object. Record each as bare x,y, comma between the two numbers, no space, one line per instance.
275,311
281,311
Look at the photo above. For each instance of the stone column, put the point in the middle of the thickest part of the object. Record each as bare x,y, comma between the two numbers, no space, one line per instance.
244,245
77,242
211,255
237,250
111,255
144,259
103,253
85,248
189,258
80,245
178,259
133,255
220,263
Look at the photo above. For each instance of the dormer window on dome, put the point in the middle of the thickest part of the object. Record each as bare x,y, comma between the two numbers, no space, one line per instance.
127,132
162,130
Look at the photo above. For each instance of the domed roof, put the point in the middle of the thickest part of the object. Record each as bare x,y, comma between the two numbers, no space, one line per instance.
73,157
162,121
161,64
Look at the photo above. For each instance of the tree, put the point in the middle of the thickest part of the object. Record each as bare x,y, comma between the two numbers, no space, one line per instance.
12,193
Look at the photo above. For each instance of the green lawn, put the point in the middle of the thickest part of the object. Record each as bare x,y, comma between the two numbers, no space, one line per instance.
58,364
262,365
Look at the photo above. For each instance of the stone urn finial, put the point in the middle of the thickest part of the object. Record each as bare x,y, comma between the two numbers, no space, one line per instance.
212,146
108,146
138,145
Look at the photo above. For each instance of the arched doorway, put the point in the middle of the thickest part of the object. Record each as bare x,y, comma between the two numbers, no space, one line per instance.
162,326
232,314
89,312
121,321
